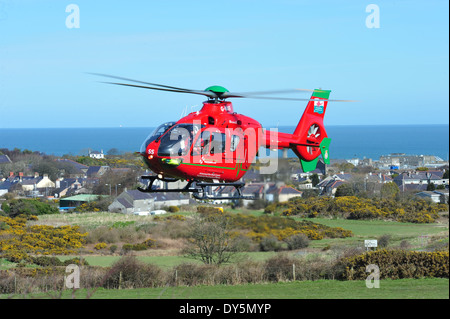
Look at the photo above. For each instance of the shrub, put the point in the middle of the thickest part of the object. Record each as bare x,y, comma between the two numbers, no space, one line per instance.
100,246
209,210
282,228
173,209
398,264
279,268
45,261
128,272
99,205
126,248
103,234
270,209
150,243
190,274
175,217
383,240
297,241
405,245
21,240
113,248
28,207
351,207
270,243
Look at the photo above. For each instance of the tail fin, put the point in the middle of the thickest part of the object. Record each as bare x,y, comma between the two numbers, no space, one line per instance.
312,139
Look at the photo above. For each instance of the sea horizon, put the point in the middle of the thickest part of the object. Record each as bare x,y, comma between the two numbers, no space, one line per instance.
347,141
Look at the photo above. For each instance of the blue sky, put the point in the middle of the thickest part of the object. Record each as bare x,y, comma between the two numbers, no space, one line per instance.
399,71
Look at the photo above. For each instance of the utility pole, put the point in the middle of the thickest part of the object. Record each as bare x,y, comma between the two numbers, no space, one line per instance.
109,188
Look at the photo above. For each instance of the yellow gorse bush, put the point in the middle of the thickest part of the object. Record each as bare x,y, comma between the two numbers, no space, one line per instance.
397,264
282,228
100,246
351,207
17,240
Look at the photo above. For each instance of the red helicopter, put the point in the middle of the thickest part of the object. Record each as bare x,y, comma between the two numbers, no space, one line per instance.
216,146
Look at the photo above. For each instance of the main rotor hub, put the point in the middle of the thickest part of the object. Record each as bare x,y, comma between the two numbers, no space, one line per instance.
218,91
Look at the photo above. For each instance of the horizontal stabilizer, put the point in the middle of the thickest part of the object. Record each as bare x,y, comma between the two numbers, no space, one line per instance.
308,166
324,149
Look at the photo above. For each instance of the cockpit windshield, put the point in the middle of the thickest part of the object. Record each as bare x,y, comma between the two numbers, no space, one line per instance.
177,141
157,133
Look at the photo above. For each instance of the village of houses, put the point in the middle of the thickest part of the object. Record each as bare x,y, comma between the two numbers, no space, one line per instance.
72,190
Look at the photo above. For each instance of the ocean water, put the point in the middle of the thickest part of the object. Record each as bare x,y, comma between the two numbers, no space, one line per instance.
346,141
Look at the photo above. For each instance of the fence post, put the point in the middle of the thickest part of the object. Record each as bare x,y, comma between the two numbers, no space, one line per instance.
176,277
120,279
293,271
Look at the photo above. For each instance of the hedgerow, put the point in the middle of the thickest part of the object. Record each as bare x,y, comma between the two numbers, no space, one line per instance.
398,264
351,207
129,272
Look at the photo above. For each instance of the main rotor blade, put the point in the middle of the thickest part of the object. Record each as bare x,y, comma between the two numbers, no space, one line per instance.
211,94
290,99
142,82
247,94
205,93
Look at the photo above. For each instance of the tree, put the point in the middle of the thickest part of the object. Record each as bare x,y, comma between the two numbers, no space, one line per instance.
307,193
315,179
114,151
344,190
389,190
431,187
211,240
47,167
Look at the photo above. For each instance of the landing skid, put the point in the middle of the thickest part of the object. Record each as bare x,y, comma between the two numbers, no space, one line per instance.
198,189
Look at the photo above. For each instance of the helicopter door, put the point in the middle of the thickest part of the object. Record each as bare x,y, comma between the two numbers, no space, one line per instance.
215,146
209,146
201,146
234,148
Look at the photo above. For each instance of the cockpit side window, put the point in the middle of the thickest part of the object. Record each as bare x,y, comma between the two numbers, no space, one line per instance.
217,143
178,140
157,133
201,146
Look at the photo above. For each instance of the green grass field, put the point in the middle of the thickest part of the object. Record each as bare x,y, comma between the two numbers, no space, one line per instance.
435,288
164,262
373,229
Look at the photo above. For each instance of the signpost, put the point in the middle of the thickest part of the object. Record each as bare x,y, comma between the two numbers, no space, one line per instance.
370,243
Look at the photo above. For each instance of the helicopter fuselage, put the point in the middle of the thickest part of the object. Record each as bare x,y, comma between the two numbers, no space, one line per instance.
214,143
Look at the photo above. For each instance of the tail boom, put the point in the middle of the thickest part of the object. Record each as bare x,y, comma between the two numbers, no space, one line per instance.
309,139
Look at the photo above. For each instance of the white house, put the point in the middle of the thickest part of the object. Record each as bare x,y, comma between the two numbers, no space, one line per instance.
139,203
36,182
435,197
96,154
